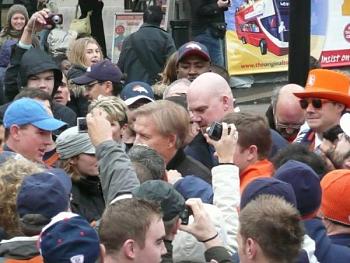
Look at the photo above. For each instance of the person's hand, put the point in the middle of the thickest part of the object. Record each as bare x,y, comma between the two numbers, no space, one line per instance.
223,3
202,227
226,146
99,128
173,176
37,21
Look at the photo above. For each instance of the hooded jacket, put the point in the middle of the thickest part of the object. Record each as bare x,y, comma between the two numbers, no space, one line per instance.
25,63
20,249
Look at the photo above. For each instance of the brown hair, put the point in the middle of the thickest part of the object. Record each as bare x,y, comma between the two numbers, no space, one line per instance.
169,117
271,220
70,169
127,219
252,130
76,51
12,173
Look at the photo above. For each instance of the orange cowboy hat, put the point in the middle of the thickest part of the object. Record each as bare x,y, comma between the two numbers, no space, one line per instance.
327,84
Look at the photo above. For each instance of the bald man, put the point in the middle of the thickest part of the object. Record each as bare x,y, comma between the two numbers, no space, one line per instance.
286,116
209,98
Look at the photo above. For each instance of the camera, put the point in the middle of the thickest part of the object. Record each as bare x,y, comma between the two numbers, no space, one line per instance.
54,19
185,215
215,131
82,125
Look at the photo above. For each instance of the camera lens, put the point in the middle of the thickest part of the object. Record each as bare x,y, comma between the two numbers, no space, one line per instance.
56,19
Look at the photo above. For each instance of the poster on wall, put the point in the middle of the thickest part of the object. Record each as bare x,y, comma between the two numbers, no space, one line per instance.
336,45
257,36
124,25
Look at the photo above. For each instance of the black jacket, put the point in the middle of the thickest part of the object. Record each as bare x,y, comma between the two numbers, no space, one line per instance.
78,103
205,13
25,63
201,151
186,165
154,44
87,198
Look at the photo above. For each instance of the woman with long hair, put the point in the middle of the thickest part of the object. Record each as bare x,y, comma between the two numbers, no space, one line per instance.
17,18
82,54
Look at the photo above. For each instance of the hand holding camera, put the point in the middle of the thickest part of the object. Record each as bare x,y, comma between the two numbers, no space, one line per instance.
99,128
224,138
43,19
202,227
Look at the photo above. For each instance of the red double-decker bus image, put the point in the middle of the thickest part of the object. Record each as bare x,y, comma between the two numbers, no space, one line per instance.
264,24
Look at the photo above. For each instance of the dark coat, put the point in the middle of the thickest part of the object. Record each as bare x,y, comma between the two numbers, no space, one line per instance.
186,165
200,150
205,13
78,103
154,44
326,251
87,198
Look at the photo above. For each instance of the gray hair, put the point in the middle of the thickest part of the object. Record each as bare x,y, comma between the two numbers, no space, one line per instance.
149,158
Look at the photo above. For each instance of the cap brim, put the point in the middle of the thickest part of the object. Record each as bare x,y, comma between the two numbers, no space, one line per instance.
132,100
194,52
91,150
49,124
333,96
82,80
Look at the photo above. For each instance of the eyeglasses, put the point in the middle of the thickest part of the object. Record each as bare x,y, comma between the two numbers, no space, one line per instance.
316,103
90,86
287,129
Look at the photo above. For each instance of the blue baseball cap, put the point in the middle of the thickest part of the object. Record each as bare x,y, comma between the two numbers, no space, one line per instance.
46,193
30,111
102,71
268,185
135,91
69,238
192,48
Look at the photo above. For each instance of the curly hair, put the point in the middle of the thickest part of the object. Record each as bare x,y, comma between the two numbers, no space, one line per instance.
12,173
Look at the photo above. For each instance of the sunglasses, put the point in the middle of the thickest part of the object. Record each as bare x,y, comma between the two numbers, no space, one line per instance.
316,103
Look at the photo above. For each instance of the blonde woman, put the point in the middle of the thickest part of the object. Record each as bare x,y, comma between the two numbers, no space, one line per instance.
82,54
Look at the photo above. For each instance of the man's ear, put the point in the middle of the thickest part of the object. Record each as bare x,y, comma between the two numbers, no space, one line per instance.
129,249
252,153
250,248
109,88
172,138
15,132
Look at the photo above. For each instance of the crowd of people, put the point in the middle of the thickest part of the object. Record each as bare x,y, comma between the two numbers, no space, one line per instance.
151,160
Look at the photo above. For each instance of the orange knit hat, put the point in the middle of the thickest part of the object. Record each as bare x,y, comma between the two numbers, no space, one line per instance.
335,203
327,84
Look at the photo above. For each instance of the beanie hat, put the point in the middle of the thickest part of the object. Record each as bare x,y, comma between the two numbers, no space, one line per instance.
171,201
305,182
69,238
271,186
335,203
71,143
14,9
